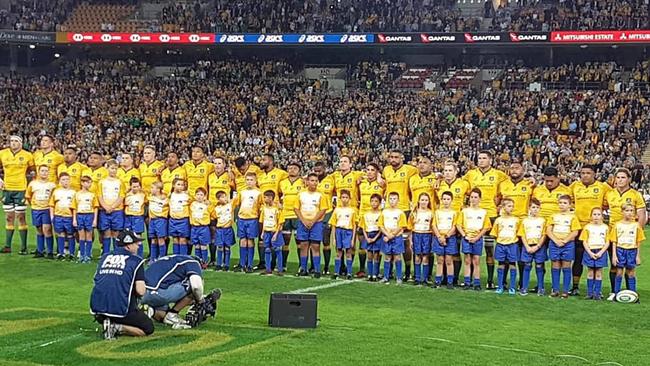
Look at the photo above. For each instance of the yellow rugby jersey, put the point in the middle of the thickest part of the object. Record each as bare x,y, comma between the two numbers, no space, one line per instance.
134,204
158,206
398,181
585,198
595,236
564,224
520,193
392,220
96,175
38,194
150,173
197,175
366,190
370,221
75,171
348,182
615,201
15,168
126,175
419,185
249,202
505,229
179,205
200,213
627,235
445,220
61,201
344,218
326,188
272,218
488,183
240,178
289,192
310,203
224,215
218,183
532,229
85,202
271,181
167,177
420,221
111,190
473,220
459,188
52,159
548,199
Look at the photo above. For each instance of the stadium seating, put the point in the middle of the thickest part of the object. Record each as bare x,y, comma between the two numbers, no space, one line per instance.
100,18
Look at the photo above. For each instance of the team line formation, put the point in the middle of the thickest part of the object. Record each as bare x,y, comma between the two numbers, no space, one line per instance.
401,215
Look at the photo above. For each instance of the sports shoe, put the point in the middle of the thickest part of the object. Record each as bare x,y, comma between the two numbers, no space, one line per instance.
399,282
260,267
425,283
477,288
150,311
436,285
450,286
498,291
512,291
349,277
226,269
50,256
598,298
385,281
611,297
523,292
554,294
490,286
109,330
335,277
23,252
565,295
173,318
317,275
60,257
541,292
218,268
39,255
467,287
589,297
178,326
374,279
574,292
417,283
326,271
266,273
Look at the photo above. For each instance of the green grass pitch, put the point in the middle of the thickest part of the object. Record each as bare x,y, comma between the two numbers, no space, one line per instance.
44,320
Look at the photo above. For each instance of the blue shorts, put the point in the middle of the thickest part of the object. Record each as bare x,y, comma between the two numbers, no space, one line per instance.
343,238
566,253
626,258
200,235
111,221
539,256
267,237
450,249
421,243
157,227
63,225
41,217
179,228
507,253
161,298
135,223
224,237
473,249
374,246
248,228
85,221
394,246
601,262
314,235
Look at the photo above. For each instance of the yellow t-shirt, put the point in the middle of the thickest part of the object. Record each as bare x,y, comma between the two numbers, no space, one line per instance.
344,218
392,220
549,199
419,185
167,178
420,221
532,229
111,190
15,168
627,235
158,207
61,200
474,220
488,183
97,175
38,194
249,202
520,193
179,205
271,181
445,220
197,175
200,213
224,215
311,203
459,188
586,198
271,218
289,193
52,159
398,181
85,202
134,204
218,183
366,190
505,230
370,221
75,171
326,188
240,179
615,201
126,175
348,182
595,237
150,173
564,224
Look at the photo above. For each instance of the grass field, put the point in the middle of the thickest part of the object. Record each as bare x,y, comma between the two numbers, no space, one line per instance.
44,320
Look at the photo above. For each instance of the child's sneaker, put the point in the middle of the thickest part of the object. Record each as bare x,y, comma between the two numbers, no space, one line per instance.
512,291
499,291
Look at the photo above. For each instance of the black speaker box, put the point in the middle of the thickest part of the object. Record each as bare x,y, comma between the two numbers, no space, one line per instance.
293,310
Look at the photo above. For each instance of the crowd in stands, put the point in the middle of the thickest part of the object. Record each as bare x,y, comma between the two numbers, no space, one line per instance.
597,75
248,108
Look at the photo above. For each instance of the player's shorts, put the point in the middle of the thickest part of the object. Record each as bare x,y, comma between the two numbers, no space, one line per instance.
136,318
290,225
179,228
314,235
394,246
601,262
14,200
566,253
157,227
63,224
473,249
343,238
507,253
491,242
421,243
111,221
224,237
135,223
248,228
41,217
626,258
161,298
200,235
540,256
267,237
374,246
450,249
85,221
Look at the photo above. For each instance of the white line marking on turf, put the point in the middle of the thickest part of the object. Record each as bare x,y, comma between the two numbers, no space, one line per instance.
439,339
573,356
510,349
609,363
321,287
59,340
